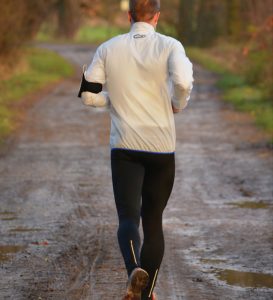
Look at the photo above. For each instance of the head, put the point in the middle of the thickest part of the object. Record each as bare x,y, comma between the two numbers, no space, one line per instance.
144,11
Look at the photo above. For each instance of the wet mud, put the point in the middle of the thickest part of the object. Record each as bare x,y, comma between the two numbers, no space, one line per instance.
24,229
7,250
7,216
58,221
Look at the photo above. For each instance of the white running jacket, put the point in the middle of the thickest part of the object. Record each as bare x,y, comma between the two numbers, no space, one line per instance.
144,74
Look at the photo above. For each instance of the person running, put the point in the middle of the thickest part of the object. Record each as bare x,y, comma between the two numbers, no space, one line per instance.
148,78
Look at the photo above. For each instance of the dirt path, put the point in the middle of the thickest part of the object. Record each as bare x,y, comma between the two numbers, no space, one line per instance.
57,215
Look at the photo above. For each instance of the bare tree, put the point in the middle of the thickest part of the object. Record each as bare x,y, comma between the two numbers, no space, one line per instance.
20,21
201,21
69,17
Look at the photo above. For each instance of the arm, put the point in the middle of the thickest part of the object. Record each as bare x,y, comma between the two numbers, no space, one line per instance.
181,74
175,110
92,82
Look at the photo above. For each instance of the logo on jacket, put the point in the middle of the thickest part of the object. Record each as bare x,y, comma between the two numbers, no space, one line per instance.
139,36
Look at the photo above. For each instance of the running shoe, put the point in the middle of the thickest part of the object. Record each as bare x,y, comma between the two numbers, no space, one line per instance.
154,297
137,282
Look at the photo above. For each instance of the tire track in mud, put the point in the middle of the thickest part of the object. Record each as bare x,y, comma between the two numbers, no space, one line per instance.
83,253
108,275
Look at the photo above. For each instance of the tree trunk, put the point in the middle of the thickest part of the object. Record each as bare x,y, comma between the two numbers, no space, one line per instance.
234,18
187,21
69,15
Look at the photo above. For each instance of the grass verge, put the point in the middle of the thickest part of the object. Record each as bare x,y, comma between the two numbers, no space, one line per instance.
97,34
43,67
86,34
236,90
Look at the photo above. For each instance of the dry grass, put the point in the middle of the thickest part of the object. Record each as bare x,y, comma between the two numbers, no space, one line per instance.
12,65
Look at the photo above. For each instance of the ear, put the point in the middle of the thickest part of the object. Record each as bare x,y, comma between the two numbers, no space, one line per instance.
155,18
157,15
130,19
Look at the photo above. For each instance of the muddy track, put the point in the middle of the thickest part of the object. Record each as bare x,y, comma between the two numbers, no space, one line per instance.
57,216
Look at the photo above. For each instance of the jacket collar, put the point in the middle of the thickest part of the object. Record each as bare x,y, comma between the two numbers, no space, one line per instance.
142,27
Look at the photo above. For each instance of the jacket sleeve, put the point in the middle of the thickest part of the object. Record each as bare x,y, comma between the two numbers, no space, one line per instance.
96,70
95,73
181,75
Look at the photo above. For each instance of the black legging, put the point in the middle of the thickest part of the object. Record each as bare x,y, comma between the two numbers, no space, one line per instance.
148,176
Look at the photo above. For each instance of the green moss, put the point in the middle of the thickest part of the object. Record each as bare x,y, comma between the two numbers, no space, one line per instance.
229,80
44,67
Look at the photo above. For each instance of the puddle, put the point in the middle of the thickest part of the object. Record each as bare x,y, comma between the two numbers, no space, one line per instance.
6,250
251,204
212,261
24,229
245,279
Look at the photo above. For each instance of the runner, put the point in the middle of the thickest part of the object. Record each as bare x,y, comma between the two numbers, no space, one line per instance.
148,78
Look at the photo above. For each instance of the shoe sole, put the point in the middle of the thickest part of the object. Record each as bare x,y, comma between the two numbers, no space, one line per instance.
137,283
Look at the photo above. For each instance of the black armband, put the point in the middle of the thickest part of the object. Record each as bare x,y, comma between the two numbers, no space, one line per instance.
91,87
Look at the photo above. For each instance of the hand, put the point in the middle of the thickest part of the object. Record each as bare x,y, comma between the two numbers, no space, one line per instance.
175,110
96,100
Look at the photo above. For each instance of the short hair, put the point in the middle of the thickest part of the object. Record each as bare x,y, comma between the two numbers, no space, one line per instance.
143,10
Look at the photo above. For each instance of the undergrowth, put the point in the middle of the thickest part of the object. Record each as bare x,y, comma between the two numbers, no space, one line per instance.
237,88
43,67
